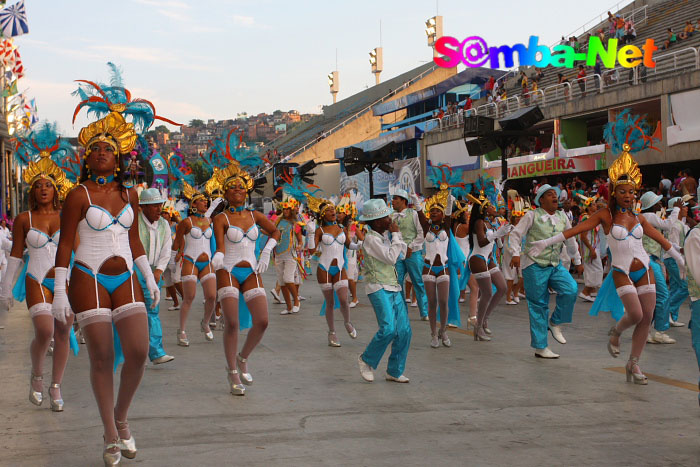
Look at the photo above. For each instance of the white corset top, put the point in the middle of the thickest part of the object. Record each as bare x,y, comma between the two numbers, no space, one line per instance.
197,242
42,251
625,246
332,247
103,236
436,246
239,244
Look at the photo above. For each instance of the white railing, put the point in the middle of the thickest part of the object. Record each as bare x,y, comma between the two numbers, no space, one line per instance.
342,124
601,18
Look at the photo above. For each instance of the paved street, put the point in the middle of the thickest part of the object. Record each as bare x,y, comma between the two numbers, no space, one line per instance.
485,403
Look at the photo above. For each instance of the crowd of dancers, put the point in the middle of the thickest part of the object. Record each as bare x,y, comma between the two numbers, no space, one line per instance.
91,254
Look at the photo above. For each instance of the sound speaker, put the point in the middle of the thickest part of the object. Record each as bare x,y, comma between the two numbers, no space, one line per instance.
522,119
480,146
477,125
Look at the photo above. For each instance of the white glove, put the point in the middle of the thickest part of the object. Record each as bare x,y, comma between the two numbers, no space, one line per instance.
450,203
676,247
673,253
217,261
416,201
61,306
502,231
142,263
264,261
13,264
538,246
7,244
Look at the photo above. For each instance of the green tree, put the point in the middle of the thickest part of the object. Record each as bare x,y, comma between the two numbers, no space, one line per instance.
201,174
196,123
162,129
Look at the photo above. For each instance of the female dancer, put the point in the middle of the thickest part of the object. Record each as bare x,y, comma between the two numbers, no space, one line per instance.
346,213
192,241
435,276
482,264
624,229
331,273
461,232
238,270
102,211
39,229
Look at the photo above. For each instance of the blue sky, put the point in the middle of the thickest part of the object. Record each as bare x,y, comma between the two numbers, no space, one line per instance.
216,58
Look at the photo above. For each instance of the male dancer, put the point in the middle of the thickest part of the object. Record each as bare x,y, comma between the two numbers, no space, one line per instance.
692,258
545,270
154,232
382,245
412,234
286,262
650,206
677,285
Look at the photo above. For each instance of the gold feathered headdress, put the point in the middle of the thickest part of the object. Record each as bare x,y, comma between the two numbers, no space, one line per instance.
438,200
625,169
459,208
318,205
212,187
229,176
113,130
482,201
189,192
46,169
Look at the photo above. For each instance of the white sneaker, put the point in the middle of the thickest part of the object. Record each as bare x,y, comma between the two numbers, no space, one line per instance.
295,308
675,324
517,299
169,298
650,338
660,337
556,333
511,302
174,307
400,379
302,298
545,353
408,300
521,295
354,304
163,359
365,370
462,300
275,296
585,297
414,304
286,311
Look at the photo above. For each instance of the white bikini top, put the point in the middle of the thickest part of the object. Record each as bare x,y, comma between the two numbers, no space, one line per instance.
332,247
436,246
42,251
239,244
103,236
626,245
197,242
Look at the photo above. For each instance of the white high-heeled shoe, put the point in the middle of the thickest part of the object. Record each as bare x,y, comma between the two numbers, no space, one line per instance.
126,446
109,456
247,378
36,397
235,388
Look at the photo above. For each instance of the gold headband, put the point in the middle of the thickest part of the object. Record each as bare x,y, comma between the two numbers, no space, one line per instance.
112,130
46,169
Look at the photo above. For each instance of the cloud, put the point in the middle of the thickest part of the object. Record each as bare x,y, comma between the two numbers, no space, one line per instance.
244,20
139,54
164,3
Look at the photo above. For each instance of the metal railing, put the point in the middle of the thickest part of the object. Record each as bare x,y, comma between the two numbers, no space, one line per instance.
351,118
601,18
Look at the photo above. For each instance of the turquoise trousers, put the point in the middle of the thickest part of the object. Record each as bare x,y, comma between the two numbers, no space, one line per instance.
661,308
678,288
537,281
394,328
155,331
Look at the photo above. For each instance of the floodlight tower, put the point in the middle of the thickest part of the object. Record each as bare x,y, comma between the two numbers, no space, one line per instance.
376,60
334,84
433,29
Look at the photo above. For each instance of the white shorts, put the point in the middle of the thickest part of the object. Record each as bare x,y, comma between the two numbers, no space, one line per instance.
286,268
593,273
171,277
352,271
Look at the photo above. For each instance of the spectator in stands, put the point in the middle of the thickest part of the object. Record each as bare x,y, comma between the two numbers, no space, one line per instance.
671,38
561,80
597,70
581,80
687,31
611,25
523,79
601,34
665,186
630,32
619,27
468,103
488,87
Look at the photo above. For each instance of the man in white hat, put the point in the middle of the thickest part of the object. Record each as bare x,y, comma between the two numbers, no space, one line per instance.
692,258
677,285
154,232
383,245
412,262
545,270
650,207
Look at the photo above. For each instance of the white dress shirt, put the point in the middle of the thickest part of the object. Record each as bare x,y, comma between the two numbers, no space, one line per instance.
692,255
158,255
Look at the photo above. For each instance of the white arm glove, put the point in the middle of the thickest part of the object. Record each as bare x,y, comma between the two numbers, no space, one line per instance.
355,245
673,253
264,260
217,261
450,203
502,231
7,244
142,263
13,264
538,246
416,202
61,306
